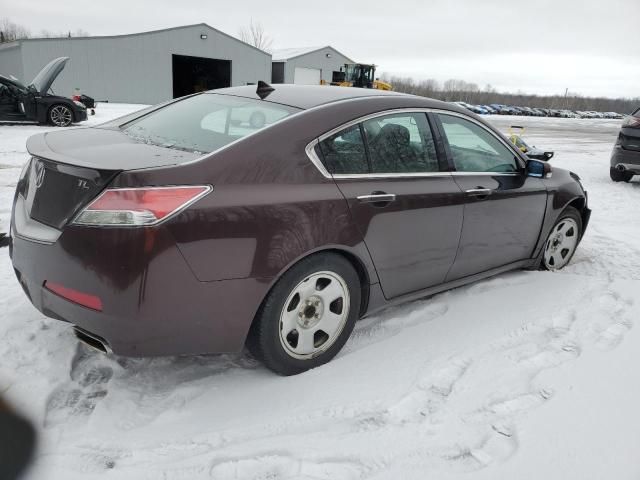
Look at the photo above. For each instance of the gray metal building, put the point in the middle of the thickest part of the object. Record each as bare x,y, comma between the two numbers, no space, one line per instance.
307,65
148,67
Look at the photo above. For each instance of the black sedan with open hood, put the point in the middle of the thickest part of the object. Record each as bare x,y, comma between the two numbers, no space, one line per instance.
35,103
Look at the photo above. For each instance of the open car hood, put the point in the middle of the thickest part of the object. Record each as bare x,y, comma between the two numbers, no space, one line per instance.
45,77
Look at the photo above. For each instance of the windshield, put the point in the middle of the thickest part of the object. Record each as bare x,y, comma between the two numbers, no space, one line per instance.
205,123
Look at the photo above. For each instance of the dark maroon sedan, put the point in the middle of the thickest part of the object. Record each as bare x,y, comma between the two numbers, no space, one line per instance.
276,218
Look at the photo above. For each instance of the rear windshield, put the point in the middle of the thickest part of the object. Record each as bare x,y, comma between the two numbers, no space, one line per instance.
205,123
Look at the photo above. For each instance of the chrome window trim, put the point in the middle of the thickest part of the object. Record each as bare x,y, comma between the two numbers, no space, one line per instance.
311,153
355,176
487,174
310,149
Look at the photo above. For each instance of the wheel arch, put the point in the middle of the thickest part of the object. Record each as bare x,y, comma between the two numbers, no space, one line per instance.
358,264
553,213
580,204
58,102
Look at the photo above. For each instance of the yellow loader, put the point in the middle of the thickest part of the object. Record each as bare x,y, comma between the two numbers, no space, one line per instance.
359,75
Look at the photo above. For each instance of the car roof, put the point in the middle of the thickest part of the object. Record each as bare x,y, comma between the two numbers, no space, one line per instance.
306,96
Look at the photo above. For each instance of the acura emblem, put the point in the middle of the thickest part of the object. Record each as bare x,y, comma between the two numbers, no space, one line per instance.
40,171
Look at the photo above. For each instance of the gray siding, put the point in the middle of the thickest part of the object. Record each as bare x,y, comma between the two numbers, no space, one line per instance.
11,61
137,68
318,60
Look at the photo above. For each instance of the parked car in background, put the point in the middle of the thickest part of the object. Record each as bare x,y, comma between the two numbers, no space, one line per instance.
163,233
506,110
35,103
480,109
472,108
625,158
519,110
501,109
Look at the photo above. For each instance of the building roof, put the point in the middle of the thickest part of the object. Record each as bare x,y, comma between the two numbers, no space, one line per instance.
97,37
284,54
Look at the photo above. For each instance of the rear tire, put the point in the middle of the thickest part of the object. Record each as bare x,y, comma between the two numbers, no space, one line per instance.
60,115
308,315
618,176
562,242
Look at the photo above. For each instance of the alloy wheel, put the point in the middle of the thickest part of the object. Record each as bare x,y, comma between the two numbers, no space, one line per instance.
314,315
61,116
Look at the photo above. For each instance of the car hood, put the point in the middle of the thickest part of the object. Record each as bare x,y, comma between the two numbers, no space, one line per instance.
102,148
45,77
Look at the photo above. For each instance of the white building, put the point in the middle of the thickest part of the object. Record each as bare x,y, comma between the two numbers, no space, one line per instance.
148,67
307,65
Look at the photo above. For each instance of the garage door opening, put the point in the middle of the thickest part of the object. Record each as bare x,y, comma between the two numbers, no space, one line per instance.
196,74
306,76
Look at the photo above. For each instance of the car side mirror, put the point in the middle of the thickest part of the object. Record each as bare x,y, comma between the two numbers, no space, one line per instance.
539,169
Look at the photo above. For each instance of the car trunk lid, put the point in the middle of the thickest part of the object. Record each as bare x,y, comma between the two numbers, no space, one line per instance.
70,168
55,192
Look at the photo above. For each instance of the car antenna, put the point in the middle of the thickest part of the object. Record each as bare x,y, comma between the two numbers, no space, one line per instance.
264,89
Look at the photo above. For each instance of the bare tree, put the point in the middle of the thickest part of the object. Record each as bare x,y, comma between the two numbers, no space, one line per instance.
454,90
50,34
10,31
255,35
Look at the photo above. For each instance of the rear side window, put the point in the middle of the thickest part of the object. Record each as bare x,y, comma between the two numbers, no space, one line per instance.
205,123
344,152
401,143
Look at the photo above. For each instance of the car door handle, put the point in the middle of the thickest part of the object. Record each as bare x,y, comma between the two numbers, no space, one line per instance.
377,197
478,192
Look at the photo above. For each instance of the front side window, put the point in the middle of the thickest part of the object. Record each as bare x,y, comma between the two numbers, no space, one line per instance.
401,143
474,149
344,152
205,123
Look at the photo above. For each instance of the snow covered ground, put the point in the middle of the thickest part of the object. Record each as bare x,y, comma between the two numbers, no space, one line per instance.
527,375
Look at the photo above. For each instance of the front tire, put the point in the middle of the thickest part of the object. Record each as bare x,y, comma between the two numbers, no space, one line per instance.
563,240
308,315
618,176
60,115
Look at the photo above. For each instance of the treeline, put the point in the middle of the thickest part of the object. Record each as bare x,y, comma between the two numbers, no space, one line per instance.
10,32
458,90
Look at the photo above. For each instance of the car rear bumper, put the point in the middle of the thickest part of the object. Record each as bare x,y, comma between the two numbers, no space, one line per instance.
80,115
152,304
625,159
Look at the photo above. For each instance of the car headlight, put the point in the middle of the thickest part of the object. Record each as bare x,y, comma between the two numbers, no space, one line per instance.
79,104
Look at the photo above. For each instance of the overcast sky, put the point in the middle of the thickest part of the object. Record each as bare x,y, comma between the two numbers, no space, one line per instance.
591,47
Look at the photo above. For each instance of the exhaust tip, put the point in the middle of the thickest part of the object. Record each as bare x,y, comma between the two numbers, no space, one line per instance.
92,340
620,167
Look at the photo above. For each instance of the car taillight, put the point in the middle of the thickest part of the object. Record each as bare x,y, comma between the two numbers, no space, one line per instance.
631,122
139,206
